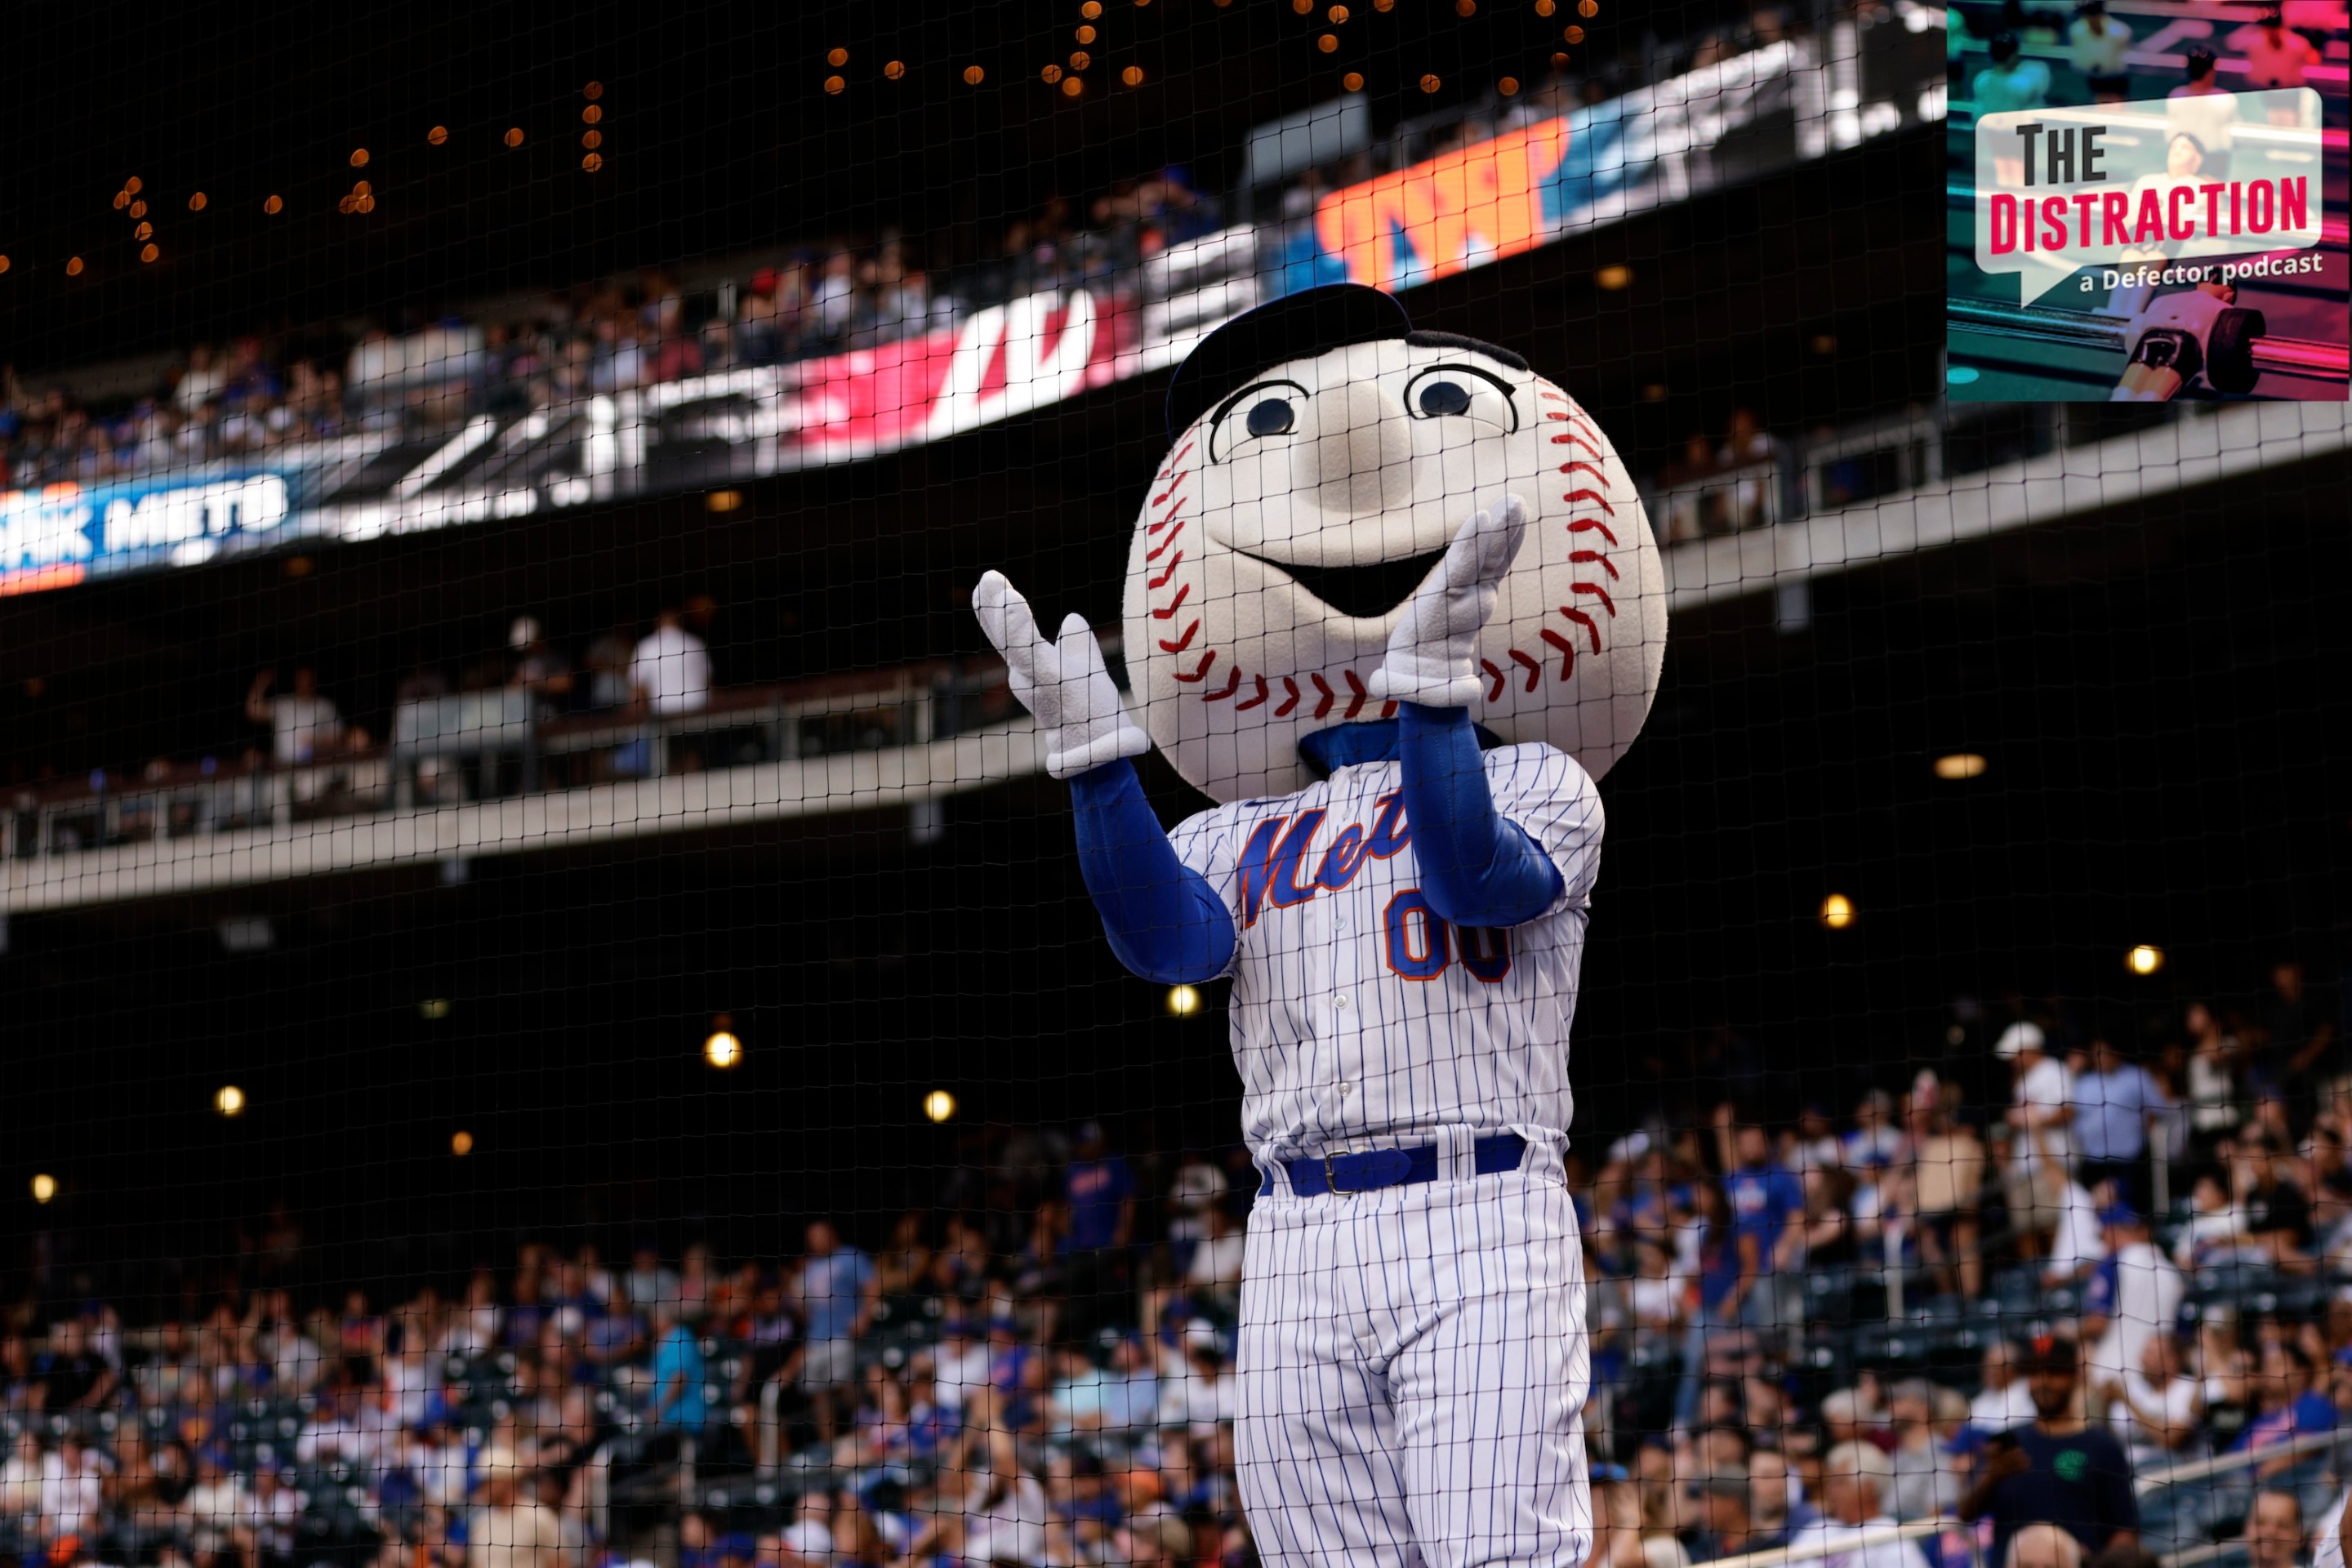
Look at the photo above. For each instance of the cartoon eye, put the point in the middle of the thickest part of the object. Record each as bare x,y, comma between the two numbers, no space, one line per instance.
1254,412
1459,391
1270,417
1438,397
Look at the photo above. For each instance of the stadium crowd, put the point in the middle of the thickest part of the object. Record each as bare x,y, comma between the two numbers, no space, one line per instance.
420,374
1916,1313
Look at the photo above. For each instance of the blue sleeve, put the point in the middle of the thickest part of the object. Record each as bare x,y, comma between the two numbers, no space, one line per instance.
1476,868
1164,922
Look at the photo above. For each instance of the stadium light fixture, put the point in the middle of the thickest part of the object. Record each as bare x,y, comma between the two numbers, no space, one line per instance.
1957,765
939,1105
1837,911
1614,276
2144,960
1183,1001
228,1100
722,1049
461,1143
723,500
44,1187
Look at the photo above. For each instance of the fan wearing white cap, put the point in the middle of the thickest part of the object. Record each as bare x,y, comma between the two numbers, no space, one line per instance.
2042,1140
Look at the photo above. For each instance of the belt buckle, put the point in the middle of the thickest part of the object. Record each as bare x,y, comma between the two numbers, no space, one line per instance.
1331,1177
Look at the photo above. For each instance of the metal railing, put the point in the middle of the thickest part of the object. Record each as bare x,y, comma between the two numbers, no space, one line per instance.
489,745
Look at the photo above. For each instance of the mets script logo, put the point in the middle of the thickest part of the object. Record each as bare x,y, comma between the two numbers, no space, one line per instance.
1419,945
1273,859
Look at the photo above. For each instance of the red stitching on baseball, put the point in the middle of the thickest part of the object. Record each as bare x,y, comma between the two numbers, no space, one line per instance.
1494,692
1169,613
1356,685
1161,581
1573,439
1290,701
1535,670
1173,480
1591,557
1551,416
1180,643
1387,708
1207,659
1596,498
1587,525
1554,397
1233,684
1323,687
1255,702
1158,549
1567,654
1575,463
1587,621
1598,592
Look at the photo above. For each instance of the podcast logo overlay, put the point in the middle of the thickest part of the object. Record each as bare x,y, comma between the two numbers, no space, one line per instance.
2132,190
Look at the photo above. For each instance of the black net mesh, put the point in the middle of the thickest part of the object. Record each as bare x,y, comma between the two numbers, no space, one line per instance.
581,989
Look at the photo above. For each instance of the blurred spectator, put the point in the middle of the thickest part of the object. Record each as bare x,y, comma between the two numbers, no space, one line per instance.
2277,1212
537,667
2056,1470
1752,498
1926,1478
678,1398
670,670
609,661
831,1290
1725,1524
508,1528
1768,1205
2155,1406
2043,1546
2042,1148
2005,1399
2134,1296
2114,1104
2011,81
1856,1480
2275,57
2206,110
2099,45
1199,1186
1947,1167
2216,1058
2298,1032
2275,1530
304,725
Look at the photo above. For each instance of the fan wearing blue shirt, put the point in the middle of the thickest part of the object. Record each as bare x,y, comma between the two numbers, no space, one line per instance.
2114,1104
1766,1200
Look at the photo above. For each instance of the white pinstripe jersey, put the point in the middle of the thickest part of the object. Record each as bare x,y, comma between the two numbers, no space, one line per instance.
1362,1020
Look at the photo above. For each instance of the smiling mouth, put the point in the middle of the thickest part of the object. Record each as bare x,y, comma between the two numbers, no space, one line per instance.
1361,592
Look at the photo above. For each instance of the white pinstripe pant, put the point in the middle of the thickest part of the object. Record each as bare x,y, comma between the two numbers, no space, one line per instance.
1413,1371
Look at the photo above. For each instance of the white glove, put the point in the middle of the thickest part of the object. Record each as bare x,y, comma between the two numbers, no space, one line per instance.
1065,683
1432,656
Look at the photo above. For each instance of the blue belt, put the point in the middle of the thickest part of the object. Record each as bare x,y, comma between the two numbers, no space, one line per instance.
1373,1169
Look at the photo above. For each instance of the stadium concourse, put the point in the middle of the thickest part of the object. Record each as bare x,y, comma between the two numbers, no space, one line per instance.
1035,1368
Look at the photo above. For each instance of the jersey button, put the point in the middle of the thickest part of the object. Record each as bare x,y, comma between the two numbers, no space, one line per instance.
1340,1000
1346,1088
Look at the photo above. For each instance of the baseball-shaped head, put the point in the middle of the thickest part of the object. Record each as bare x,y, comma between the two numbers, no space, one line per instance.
1323,456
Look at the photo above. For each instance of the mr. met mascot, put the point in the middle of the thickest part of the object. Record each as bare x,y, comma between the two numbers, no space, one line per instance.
1393,602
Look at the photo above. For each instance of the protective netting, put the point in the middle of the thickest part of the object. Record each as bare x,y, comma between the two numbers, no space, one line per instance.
1615,937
